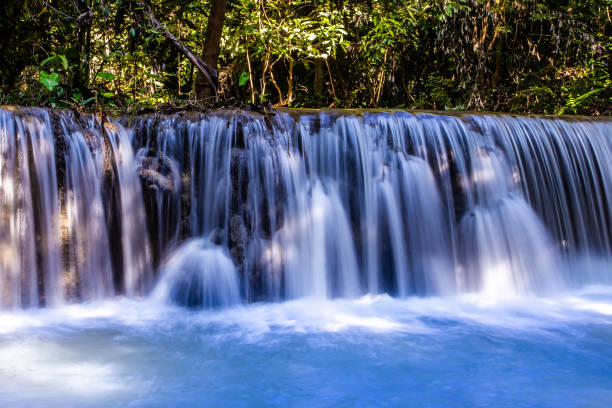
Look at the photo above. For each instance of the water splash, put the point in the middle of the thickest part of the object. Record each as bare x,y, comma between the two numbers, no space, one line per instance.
199,274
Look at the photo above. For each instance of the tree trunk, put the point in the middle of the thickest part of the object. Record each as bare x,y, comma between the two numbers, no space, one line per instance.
10,13
84,21
211,46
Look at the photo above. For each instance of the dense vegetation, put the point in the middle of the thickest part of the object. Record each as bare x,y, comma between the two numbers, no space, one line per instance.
549,56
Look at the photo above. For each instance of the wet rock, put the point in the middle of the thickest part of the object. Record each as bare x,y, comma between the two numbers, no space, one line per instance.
159,173
238,240
185,220
160,185
240,182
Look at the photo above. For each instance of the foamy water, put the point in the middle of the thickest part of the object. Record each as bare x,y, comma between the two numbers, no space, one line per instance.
373,351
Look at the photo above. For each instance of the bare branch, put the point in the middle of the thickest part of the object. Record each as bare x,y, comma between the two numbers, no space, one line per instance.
207,71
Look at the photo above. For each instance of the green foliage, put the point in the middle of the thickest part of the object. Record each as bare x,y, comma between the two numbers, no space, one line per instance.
244,78
105,76
79,100
50,81
515,56
56,59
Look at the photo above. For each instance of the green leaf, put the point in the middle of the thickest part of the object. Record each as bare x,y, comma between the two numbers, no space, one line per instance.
50,81
86,101
156,77
133,32
244,77
47,60
105,76
107,94
64,61
61,58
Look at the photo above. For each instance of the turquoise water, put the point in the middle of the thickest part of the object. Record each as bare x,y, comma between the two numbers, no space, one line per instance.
467,351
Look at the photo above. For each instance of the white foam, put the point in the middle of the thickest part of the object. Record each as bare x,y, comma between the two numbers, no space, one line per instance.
379,313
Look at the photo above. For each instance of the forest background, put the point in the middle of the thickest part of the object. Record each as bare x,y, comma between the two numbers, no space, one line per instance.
549,56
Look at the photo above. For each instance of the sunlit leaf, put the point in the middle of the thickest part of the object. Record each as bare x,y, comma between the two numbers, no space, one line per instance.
105,76
50,81
244,78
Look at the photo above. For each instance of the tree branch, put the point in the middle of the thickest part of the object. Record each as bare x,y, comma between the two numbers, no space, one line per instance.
208,72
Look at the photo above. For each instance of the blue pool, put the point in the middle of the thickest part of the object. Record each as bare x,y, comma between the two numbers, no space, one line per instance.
466,351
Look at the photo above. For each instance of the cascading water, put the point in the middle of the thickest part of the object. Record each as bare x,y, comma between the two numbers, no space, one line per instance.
57,173
390,259
137,274
328,205
88,261
302,205
28,196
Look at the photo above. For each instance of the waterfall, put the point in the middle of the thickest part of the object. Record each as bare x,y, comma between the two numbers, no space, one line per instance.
233,206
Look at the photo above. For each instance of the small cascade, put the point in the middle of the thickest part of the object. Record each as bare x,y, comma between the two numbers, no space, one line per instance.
137,274
66,189
28,208
88,256
523,262
315,246
199,274
429,269
564,170
230,206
